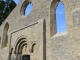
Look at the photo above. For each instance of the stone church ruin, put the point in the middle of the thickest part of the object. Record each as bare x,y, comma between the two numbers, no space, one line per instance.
34,37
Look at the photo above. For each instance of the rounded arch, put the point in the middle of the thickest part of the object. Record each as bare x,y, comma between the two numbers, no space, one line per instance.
20,38
32,48
24,5
54,3
21,48
11,50
5,35
53,6
19,44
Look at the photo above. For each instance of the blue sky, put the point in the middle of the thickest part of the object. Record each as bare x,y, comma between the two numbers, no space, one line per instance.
60,16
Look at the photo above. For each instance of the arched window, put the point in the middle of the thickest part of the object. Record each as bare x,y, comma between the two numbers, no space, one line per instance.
57,17
28,9
60,18
5,36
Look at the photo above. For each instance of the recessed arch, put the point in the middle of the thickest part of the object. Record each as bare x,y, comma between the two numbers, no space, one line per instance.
19,43
11,50
21,48
23,37
18,49
53,24
5,35
33,46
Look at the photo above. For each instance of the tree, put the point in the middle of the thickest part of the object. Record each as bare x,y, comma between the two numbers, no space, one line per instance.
5,9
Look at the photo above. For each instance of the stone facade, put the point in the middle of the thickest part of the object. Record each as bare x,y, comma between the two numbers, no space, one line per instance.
35,37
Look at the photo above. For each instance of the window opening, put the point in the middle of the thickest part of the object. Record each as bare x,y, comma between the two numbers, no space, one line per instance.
28,9
60,18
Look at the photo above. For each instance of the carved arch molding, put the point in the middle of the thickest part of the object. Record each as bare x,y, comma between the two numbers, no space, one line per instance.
22,50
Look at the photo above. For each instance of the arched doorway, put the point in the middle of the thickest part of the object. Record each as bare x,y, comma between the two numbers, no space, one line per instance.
21,50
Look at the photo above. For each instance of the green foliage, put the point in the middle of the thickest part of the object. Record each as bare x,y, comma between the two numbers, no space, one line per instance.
6,44
5,9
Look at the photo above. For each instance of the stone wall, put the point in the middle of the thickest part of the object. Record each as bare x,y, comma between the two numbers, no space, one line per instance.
54,46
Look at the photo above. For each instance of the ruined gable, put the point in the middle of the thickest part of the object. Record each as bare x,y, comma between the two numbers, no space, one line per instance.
34,37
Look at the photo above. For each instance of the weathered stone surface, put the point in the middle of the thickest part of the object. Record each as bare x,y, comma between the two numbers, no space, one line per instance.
35,35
